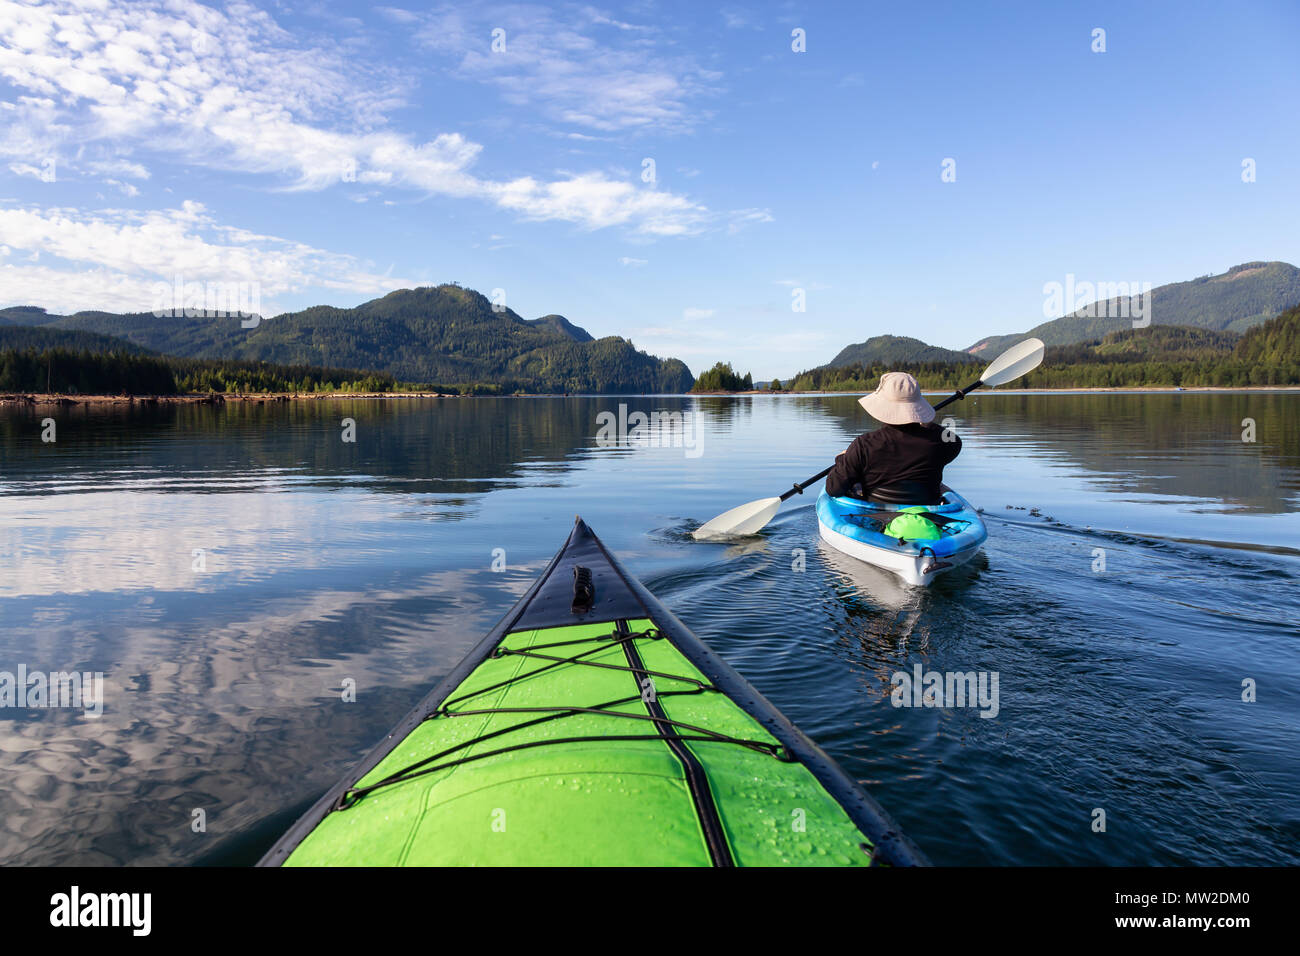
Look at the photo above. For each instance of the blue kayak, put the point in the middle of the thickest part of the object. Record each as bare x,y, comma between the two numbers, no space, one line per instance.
857,528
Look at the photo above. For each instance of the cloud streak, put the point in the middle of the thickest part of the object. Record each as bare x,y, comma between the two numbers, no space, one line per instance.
577,67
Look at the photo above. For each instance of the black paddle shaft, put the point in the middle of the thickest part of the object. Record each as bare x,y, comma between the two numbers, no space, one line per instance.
955,396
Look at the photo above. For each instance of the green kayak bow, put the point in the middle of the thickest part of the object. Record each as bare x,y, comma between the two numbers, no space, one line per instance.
590,727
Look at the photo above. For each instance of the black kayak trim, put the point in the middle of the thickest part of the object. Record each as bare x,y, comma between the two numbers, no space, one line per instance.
618,596
706,811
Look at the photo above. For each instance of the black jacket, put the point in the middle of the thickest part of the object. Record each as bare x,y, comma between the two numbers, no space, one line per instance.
907,460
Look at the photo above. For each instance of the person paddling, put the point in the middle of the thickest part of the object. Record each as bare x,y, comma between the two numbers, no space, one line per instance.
750,518
901,463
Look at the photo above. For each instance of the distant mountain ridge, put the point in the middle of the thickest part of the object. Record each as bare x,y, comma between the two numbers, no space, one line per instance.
1244,297
1234,301
1267,354
442,334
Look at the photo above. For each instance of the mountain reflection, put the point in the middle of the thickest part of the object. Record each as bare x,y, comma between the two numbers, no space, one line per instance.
447,446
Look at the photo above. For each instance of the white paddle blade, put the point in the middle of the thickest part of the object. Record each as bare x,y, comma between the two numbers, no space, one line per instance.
747,519
1016,361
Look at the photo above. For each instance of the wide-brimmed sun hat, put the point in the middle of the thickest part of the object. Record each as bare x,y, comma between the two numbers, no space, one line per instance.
897,401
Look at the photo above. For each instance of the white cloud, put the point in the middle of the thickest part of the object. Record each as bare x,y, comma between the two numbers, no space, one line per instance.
25,169
118,167
734,19
742,218
598,17
693,313
126,188
594,201
563,64
398,15
113,258
798,284
631,261
233,91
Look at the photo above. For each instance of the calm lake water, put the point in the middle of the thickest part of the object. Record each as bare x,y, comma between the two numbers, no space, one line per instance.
228,568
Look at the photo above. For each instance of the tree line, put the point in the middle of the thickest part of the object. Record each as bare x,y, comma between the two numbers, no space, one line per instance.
81,372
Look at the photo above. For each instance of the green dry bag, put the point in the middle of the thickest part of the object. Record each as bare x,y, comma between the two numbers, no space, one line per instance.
911,526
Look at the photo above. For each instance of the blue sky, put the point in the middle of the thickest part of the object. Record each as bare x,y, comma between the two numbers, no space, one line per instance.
331,152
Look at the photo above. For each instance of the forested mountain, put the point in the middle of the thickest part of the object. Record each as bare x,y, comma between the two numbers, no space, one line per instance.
1276,342
895,349
442,335
1244,296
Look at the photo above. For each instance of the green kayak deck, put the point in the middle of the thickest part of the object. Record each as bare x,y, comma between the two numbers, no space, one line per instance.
598,735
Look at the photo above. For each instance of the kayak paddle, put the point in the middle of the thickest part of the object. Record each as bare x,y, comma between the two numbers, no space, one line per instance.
750,518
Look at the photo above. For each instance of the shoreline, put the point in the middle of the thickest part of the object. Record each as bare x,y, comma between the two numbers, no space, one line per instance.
34,399
42,399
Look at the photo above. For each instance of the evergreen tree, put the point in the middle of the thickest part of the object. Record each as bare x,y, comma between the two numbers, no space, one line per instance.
722,378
